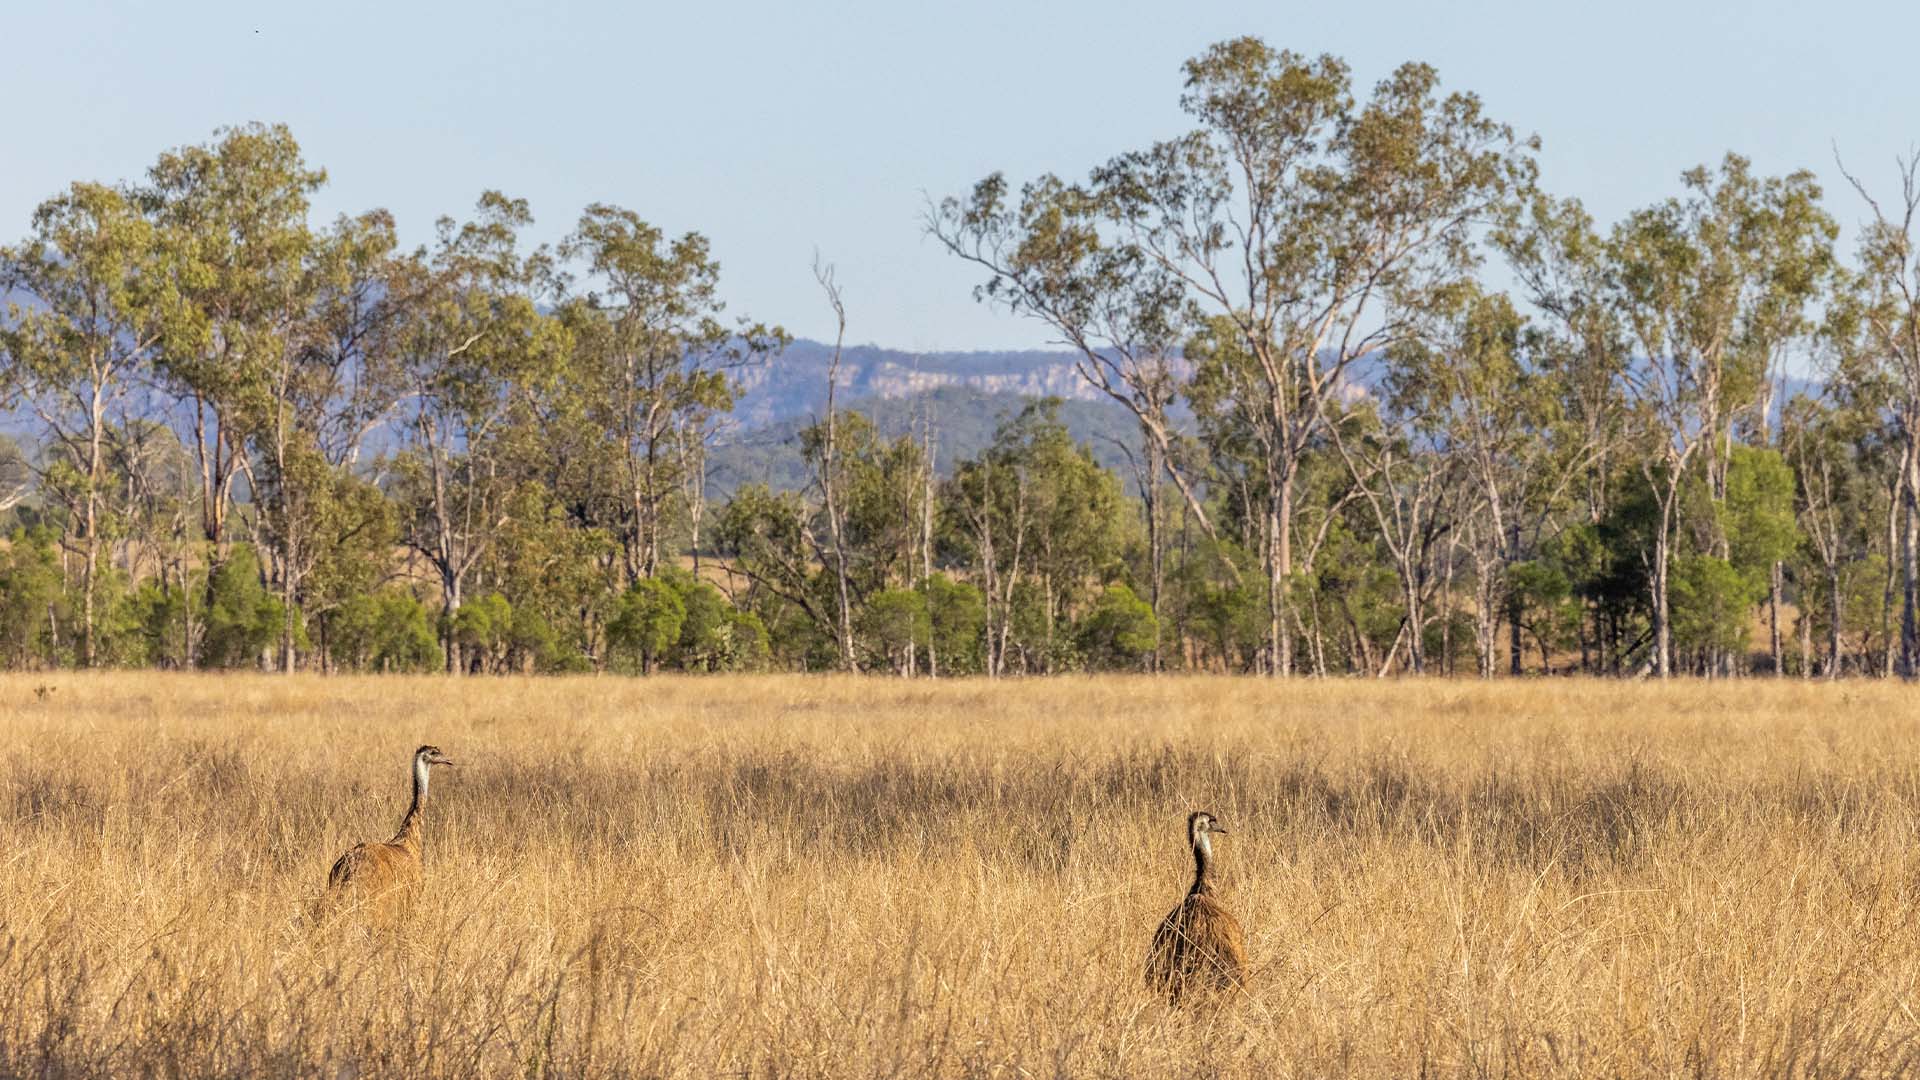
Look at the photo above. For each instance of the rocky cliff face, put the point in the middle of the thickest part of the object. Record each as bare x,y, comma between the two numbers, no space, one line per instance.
795,382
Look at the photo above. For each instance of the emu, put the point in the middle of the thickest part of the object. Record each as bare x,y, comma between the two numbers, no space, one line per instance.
1198,946
371,869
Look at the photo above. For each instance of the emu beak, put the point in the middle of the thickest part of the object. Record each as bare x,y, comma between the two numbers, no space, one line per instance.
1217,827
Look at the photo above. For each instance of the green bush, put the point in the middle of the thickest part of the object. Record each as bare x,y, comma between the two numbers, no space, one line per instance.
894,621
647,621
243,618
1121,630
387,631
957,618
33,603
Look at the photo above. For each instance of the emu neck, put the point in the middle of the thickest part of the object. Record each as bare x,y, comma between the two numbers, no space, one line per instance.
1202,864
409,835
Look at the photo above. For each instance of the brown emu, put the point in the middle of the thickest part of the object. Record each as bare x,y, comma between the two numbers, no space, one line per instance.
1198,946
371,869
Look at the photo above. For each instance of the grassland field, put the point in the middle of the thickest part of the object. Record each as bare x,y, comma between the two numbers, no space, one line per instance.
790,876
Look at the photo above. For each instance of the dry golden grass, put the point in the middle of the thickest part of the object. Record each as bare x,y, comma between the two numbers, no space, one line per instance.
791,876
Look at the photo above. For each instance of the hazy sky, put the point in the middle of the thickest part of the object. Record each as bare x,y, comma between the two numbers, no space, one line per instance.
778,128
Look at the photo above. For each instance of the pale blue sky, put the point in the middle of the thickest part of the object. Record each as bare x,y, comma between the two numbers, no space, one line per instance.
776,128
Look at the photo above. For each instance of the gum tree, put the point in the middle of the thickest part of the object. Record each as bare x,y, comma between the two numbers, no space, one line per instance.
99,305
653,356
1879,328
1713,284
1307,221
475,345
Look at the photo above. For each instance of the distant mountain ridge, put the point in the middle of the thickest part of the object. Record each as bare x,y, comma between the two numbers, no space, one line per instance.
794,383
964,417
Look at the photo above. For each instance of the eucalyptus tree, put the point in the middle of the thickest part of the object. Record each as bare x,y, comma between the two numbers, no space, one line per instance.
991,504
772,540
100,302
1308,221
1570,388
1817,444
1880,317
1036,519
289,351
233,214
653,356
475,345
1714,285
1477,450
160,497
336,377
1057,255
1404,463
882,489
1080,527
823,452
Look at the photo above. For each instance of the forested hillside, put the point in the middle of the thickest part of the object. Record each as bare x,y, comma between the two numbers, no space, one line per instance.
1342,390
960,419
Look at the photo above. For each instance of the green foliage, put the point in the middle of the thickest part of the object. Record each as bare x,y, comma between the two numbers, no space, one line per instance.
713,636
1542,598
1712,605
647,621
532,643
119,640
894,621
1758,513
386,631
483,628
957,620
162,613
242,619
746,646
33,602
1120,631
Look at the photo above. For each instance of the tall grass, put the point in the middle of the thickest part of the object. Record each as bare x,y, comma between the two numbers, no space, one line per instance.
789,876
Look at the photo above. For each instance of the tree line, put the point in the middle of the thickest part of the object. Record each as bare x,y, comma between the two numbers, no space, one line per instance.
1398,410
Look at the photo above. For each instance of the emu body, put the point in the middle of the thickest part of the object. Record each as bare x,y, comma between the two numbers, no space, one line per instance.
369,870
1199,945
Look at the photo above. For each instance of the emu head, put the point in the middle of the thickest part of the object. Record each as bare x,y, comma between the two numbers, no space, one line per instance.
1200,823
431,755
424,759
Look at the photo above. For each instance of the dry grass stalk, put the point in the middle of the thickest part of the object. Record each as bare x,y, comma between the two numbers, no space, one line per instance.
834,876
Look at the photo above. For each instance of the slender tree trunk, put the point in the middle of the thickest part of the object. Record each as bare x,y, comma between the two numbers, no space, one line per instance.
91,570
1806,647
1889,644
1508,557
697,498
1156,546
289,539
829,482
1281,580
1416,635
1833,620
1910,563
926,552
1662,627
1777,587
450,607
